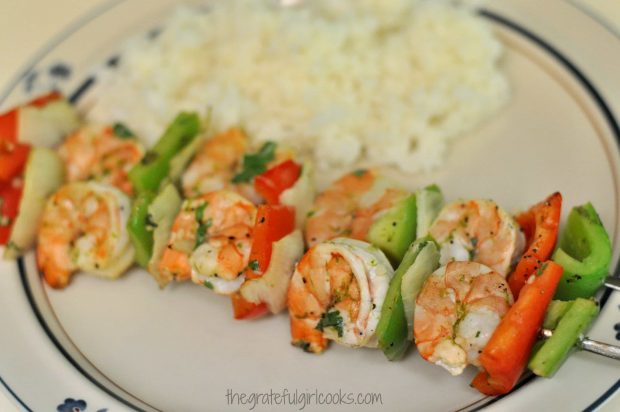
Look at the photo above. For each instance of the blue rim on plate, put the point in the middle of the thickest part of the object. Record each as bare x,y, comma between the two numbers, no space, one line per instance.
578,74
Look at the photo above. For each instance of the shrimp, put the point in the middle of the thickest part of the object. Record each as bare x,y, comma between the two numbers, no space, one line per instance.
97,153
215,164
336,293
219,160
350,206
210,241
456,312
478,230
83,228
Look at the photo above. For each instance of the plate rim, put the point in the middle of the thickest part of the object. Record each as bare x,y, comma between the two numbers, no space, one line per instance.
565,62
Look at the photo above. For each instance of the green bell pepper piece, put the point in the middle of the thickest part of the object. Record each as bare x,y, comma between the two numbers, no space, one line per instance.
555,311
584,252
406,221
155,165
395,230
140,228
430,202
393,331
162,211
426,262
554,351
150,223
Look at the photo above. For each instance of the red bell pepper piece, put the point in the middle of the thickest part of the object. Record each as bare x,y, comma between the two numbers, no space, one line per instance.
505,356
243,309
10,196
8,126
9,120
13,155
43,100
276,180
273,222
13,158
540,225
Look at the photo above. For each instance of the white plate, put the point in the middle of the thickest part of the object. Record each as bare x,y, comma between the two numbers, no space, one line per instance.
125,344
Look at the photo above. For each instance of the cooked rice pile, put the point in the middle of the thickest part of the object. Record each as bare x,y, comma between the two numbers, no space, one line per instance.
383,82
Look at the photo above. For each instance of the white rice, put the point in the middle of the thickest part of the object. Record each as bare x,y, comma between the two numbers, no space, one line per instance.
383,82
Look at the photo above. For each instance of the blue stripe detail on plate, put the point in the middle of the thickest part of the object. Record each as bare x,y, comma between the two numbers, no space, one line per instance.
27,74
603,397
77,25
88,83
63,351
611,122
17,398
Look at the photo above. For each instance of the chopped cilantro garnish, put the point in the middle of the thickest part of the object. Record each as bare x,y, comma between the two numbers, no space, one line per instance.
122,131
305,346
149,157
149,221
541,269
203,227
201,233
13,246
330,320
200,212
359,172
255,164
208,284
254,265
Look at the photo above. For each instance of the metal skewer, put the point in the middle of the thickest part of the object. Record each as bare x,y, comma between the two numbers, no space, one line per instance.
590,345
612,283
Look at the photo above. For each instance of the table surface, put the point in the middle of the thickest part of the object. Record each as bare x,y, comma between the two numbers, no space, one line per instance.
27,25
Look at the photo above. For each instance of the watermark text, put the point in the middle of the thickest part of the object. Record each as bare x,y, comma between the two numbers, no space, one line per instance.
300,399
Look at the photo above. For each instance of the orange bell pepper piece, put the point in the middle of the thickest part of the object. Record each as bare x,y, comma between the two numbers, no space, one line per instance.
505,356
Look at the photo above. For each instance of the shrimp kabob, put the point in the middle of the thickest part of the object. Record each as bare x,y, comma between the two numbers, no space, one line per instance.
29,169
83,225
74,201
464,291
71,196
235,232
96,201
464,313
354,229
473,289
111,202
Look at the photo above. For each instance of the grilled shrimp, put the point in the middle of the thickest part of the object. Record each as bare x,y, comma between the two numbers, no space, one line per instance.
349,207
83,228
478,230
219,160
98,153
210,241
336,293
215,164
456,312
